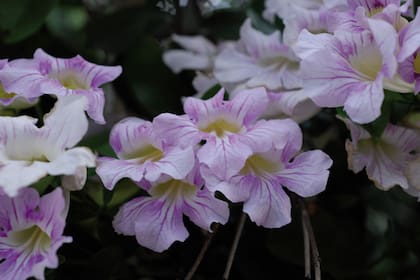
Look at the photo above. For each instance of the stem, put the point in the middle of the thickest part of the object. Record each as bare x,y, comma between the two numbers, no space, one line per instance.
234,246
312,241
203,251
306,249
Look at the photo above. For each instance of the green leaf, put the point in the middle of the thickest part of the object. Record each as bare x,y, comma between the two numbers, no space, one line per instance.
211,92
260,23
378,126
376,221
10,12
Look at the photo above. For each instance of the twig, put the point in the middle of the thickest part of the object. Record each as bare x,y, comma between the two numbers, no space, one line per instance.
312,241
203,251
234,246
306,249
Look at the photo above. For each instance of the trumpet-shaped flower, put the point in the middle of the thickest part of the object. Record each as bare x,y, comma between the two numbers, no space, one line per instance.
258,60
385,159
260,182
409,55
227,127
28,153
142,154
31,232
12,100
351,69
156,221
45,74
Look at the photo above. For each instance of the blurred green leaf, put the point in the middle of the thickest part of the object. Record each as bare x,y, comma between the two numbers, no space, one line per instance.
376,221
67,23
29,20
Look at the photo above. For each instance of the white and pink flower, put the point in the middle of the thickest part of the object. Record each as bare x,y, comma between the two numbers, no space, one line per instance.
31,232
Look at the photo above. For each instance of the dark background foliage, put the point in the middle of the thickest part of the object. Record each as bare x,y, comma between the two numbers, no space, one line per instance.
362,232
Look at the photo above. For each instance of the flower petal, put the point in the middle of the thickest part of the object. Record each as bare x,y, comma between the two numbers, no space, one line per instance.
307,175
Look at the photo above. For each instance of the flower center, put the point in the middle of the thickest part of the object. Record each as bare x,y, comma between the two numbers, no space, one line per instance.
172,189
221,126
417,63
147,153
368,61
70,80
32,239
375,11
5,95
258,165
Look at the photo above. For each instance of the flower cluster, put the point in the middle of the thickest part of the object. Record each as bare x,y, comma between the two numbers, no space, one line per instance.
361,57
217,145
31,227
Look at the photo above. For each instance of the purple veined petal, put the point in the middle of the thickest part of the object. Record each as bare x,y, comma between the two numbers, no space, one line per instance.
409,38
386,39
307,174
386,159
204,209
357,132
95,104
327,79
42,221
198,109
385,171
111,170
86,74
156,223
248,105
232,66
176,163
266,134
224,157
307,43
22,77
176,130
130,135
294,104
257,44
314,21
364,105
268,205
238,188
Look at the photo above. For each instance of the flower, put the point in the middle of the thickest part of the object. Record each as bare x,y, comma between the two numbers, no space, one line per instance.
28,153
45,74
258,60
386,159
142,154
260,182
409,55
31,232
156,221
227,127
351,69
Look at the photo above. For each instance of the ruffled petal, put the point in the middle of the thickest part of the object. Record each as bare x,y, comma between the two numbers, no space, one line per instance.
156,223
307,175
204,209
268,205
112,170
